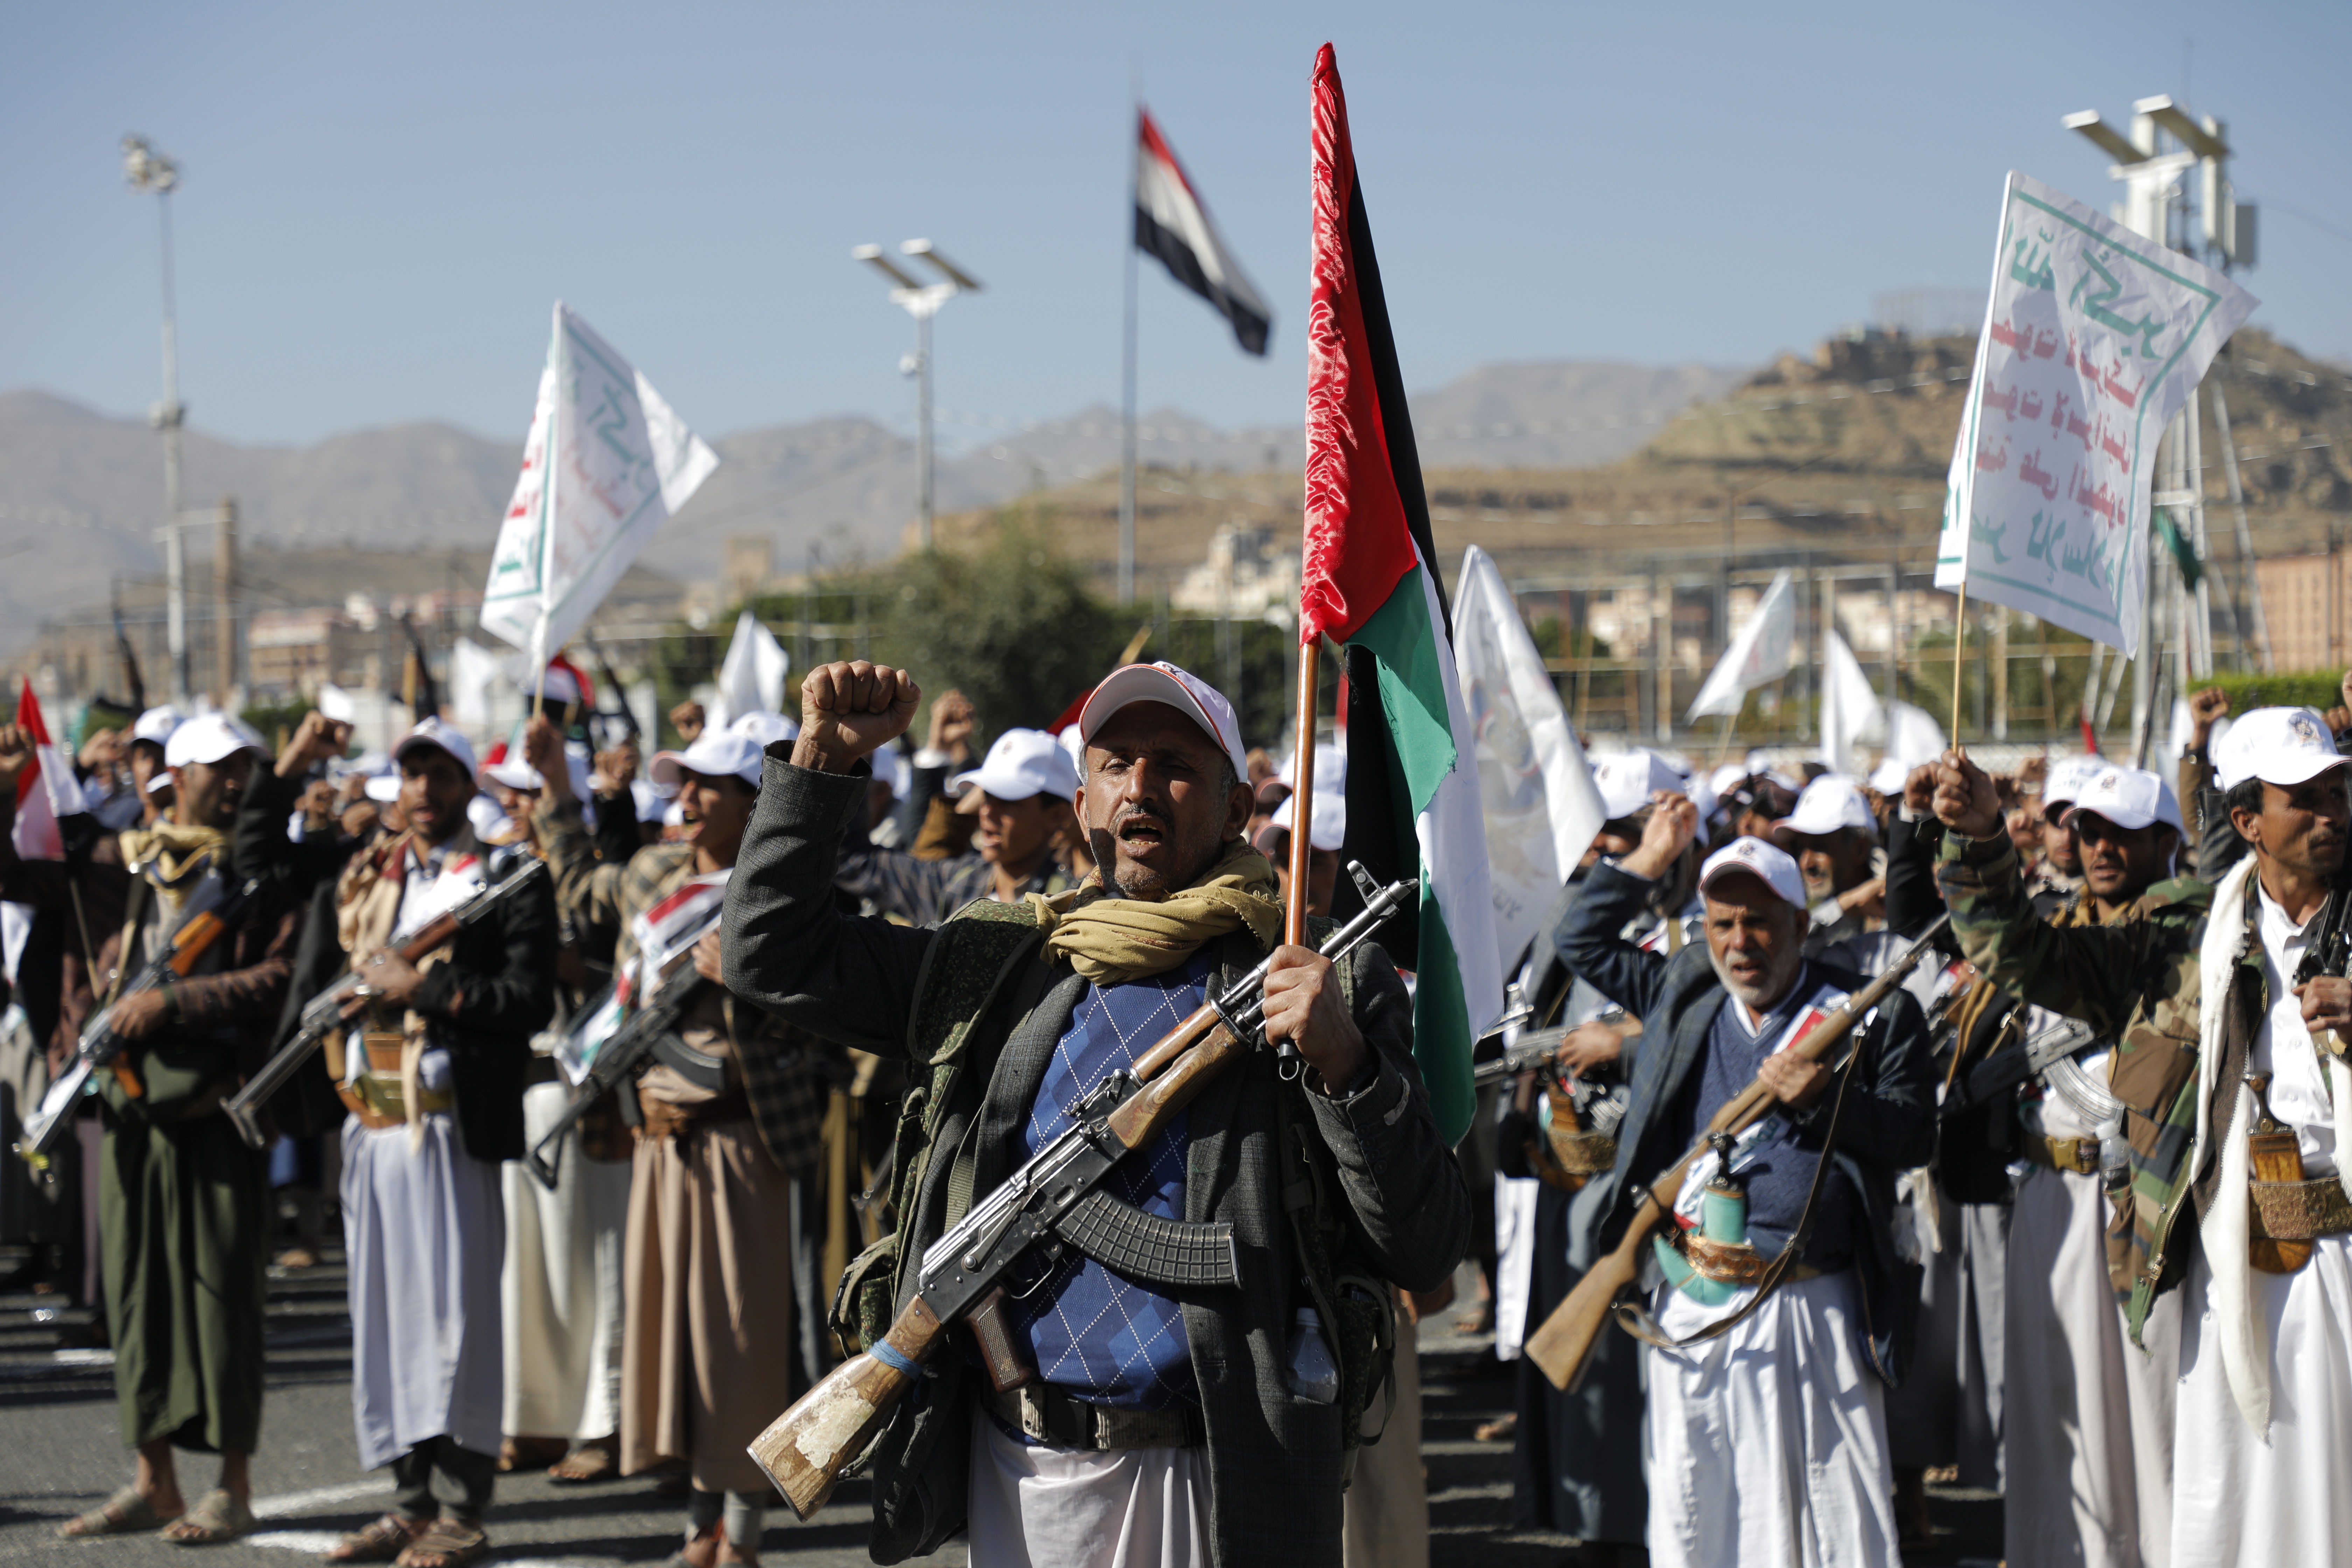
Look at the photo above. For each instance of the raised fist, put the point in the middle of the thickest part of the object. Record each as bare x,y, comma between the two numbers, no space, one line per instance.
849,710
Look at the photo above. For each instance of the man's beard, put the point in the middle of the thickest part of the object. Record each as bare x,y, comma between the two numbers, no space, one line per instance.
1775,986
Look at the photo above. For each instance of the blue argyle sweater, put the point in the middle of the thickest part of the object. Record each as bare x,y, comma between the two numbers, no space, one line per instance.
1095,1333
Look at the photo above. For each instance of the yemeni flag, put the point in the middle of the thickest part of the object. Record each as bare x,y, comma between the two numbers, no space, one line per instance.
1371,582
1172,223
46,792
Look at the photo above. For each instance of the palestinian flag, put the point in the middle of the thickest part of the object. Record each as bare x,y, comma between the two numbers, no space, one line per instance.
1171,224
1371,582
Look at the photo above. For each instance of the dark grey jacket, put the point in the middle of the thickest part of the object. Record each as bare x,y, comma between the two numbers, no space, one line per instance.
1275,1460
1889,1122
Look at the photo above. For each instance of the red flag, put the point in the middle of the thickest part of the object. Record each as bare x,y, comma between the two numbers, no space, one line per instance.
45,790
1366,519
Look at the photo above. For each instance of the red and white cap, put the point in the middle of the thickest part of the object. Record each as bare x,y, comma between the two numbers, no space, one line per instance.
1772,865
1181,689
2129,797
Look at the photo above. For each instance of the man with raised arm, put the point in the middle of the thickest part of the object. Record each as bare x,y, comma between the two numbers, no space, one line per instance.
711,1298
1165,1426
1766,1441
2262,1431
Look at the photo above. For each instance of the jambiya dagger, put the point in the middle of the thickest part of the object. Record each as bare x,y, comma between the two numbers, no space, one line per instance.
1054,1201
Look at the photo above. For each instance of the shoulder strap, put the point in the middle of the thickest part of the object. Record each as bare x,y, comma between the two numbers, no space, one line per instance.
1635,1318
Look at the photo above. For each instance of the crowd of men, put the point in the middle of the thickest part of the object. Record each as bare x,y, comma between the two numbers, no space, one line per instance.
2081,1233
2052,1216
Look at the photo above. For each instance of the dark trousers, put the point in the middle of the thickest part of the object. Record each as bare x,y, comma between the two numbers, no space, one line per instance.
465,1473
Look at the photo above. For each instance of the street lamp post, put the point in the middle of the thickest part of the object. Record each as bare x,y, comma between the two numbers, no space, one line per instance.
923,301
150,171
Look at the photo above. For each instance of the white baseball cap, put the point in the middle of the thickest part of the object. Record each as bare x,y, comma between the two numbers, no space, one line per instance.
156,724
209,738
1773,865
1181,689
516,773
442,736
1887,777
2129,797
715,754
1021,763
766,729
1831,802
2277,745
385,788
1328,827
2066,778
1627,779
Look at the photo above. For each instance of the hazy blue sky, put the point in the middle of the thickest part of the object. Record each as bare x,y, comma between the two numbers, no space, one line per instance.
381,203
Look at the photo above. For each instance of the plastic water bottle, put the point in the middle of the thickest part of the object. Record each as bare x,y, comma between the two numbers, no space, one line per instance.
1312,1374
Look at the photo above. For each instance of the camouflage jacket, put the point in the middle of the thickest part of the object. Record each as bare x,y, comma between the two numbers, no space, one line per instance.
2137,982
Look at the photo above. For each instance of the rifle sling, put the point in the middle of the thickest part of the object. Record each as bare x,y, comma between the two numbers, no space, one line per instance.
1635,1318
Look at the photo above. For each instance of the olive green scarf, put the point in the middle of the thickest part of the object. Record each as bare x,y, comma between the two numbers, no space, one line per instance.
1111,940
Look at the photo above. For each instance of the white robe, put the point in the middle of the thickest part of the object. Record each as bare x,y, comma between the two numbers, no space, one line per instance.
2262,1454
424,1229
1048,1508
560,1290
1767,1447
2089,1477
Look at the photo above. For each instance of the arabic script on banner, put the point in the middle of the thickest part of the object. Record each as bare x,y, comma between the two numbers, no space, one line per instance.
2093,338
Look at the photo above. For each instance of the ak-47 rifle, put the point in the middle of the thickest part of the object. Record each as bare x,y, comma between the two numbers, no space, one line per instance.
129,659
1053,1202
1560,1348
650,1034
330,1008
213,908
604,667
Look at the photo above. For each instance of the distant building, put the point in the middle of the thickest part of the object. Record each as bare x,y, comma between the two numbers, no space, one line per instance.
2305,600
1244,578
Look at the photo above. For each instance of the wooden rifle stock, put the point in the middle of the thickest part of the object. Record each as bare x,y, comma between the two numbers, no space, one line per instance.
1563,1345
805,1449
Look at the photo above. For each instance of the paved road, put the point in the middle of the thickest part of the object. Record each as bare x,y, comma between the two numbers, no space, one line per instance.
61,1455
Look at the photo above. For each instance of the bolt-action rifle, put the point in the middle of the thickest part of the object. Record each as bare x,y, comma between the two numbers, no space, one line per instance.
330,1008
1053,1202
212,909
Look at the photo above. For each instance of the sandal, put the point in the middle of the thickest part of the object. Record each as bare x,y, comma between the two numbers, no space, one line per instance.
530,1453
446,1543
381,1542
589,1462
127,1512
217,1518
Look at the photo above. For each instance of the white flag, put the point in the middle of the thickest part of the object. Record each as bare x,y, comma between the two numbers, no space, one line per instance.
752,679
475,673
2093,338
1758,654
1912,736
1541,807
1848,704
606,463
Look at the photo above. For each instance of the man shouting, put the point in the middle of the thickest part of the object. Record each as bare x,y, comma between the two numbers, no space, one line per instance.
1165,1426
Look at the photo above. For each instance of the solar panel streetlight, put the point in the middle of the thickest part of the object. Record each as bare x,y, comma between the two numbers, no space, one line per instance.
921,301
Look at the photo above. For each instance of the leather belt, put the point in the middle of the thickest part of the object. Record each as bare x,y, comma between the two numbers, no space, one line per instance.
1049,1413
376,1099
2300,1211
2080,1155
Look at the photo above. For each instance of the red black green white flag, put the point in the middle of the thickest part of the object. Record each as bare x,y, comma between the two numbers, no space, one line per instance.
1173,223
1371,582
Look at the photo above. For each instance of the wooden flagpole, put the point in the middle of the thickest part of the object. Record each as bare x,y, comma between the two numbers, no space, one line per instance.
1302,795
1959,643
